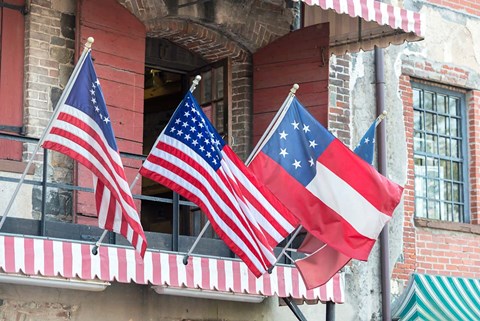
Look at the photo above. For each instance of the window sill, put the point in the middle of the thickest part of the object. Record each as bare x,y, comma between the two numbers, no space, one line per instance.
449,226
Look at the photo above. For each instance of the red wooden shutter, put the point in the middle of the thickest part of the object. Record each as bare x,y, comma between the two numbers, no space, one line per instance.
12,35
119,58
299,57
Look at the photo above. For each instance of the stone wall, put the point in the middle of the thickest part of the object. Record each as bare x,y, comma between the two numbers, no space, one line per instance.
49,58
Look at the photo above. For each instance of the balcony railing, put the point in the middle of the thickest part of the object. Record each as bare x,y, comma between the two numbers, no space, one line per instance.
49,225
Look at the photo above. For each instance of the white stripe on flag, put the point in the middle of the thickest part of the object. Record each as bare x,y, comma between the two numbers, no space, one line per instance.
327,186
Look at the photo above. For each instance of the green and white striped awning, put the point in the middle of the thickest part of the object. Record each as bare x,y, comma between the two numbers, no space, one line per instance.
438,298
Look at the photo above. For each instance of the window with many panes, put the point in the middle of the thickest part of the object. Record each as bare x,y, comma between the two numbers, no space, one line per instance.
440,154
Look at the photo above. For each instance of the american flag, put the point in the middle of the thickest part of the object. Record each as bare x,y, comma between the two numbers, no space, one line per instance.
338,197
192,159
83,131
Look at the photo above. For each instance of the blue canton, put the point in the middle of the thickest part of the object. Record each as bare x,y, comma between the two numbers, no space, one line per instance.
190,125
366,146
87,96
297,143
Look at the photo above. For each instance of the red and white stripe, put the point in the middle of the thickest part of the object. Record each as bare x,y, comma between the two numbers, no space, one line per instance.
371,10
231,197
52,258
76,135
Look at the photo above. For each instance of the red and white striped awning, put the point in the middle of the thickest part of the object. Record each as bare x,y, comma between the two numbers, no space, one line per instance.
70,260
362,24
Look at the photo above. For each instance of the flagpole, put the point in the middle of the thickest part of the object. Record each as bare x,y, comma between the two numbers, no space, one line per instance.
285,248
380,117
268,132
194,85
281,111
61,101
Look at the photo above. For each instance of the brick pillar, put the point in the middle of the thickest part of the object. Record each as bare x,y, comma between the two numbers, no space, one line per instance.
473,107
339,98
407,264
49,52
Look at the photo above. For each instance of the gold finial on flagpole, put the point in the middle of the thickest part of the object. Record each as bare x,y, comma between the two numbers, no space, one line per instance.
294,89
89,42
381,117
195,83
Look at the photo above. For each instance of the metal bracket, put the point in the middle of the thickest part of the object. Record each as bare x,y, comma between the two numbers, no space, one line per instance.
23,9
13,129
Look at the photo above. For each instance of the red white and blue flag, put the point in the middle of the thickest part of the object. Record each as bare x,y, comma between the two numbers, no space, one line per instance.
192,159
323,261
338,197
83,131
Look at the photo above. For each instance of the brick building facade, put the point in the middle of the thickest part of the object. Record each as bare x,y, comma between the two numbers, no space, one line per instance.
234,32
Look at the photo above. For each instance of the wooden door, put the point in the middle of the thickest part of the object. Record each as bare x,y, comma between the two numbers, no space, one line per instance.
119,58
299,57
12,35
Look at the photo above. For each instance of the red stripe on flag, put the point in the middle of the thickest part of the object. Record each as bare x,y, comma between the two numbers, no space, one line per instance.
194,198
332,229
383,194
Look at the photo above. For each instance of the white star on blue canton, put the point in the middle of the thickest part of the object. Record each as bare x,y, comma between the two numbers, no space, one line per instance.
208,155
177,121
366,141
97,82
312,143
295,124
187,137
202,148
92,92
283,135
186,114
93,100
194,142
192,129
185,124
306,128
200,125
207,141
180,132
200,135
283,152
106,120
297,164
97,109
311,162
194,120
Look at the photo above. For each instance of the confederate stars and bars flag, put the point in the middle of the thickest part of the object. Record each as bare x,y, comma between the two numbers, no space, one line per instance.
83,131
338,197
192,159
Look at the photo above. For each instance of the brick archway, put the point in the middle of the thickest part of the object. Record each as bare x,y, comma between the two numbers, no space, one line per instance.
210,44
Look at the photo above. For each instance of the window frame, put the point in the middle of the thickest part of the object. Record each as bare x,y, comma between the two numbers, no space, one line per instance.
464,216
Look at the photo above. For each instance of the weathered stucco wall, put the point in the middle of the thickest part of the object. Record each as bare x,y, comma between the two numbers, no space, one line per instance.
451,44
130,302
